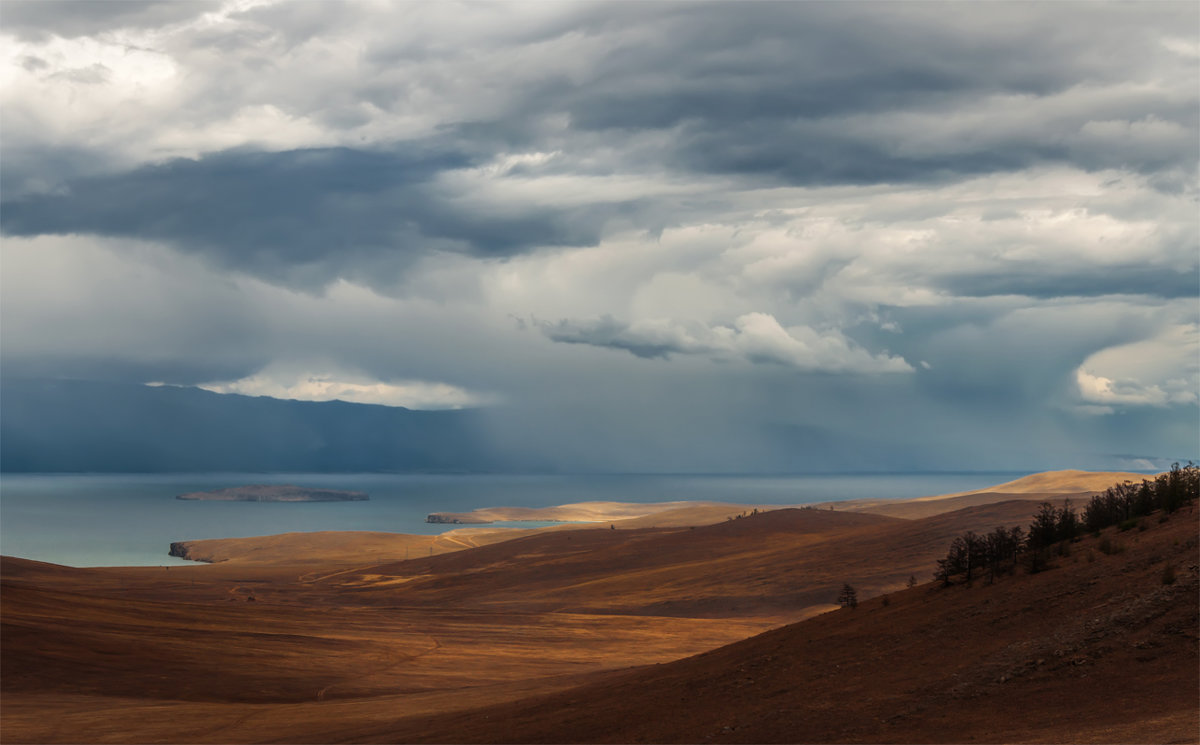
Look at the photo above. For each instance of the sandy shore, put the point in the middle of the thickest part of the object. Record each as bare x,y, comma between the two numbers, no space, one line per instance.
586,512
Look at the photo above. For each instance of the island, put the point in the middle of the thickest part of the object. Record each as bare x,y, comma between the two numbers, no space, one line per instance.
455,519
274,493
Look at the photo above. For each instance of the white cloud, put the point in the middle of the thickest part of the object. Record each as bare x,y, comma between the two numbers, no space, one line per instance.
752,337
760,337
1160,371
410,394
1101,390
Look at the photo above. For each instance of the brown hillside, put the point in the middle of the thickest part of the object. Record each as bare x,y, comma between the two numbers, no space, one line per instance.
782,564
1097,649
1069,481
1077,486
344,651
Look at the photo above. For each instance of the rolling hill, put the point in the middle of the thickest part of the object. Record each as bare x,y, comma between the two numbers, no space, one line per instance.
676,633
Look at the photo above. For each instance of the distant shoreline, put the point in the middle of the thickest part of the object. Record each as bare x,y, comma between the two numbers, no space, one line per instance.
82,520
274,493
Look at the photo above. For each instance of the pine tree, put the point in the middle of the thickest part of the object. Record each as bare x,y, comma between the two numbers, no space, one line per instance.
1043,531
1068,524
848,597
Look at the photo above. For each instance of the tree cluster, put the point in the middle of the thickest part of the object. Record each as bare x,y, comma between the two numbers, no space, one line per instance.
1128,501
1000,550
994,553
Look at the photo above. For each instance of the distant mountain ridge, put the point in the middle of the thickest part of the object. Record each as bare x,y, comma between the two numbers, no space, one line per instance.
85,426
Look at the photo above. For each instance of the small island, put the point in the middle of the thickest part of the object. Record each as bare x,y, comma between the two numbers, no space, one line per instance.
274,493
450,518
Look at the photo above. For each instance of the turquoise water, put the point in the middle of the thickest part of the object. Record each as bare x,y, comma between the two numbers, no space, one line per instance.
131,519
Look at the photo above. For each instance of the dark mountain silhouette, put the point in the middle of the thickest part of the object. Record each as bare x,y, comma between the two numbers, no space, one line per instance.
78,426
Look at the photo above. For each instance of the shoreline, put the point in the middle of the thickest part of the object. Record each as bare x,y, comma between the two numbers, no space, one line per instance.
70,518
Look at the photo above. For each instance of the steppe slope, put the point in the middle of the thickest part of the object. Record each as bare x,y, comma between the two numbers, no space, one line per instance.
1050,485
357,547
305,638
235,652
783,564
1097,649
323,548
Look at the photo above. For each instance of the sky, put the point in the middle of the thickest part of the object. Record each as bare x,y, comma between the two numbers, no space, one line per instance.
790,236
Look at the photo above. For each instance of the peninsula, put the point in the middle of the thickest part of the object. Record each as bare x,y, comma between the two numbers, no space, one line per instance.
592,512
274,493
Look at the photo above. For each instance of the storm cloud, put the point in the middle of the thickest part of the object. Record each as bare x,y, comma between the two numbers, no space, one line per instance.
336,211
776,224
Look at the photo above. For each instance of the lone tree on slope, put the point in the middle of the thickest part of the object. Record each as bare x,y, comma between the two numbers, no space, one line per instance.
848,597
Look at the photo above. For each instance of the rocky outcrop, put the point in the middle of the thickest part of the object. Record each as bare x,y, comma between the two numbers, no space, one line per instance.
443,518
181,549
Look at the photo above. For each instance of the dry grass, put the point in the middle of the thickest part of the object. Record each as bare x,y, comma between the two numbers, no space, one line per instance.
545,638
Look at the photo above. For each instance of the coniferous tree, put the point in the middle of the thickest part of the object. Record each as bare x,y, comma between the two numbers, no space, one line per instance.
848,597
999,550
1016,539
954,563
976,552
1067,527
1044,529
1144,502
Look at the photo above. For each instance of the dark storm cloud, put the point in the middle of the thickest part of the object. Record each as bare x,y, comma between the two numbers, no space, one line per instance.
760,94
766,89
784,153
1082,281
1005,360
39,168
321,209
35,19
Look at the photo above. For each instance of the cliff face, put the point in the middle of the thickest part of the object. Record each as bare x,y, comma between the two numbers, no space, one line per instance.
180,549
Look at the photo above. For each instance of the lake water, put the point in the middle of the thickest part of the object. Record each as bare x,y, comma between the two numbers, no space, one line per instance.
131,519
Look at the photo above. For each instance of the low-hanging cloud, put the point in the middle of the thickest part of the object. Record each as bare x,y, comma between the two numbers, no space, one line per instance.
355,388
1159,371
754,337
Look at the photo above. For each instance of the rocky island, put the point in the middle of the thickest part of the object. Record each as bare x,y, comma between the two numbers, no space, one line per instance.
275,493
444,518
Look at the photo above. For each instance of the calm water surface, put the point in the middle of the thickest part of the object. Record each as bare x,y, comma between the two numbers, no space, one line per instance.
131,519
